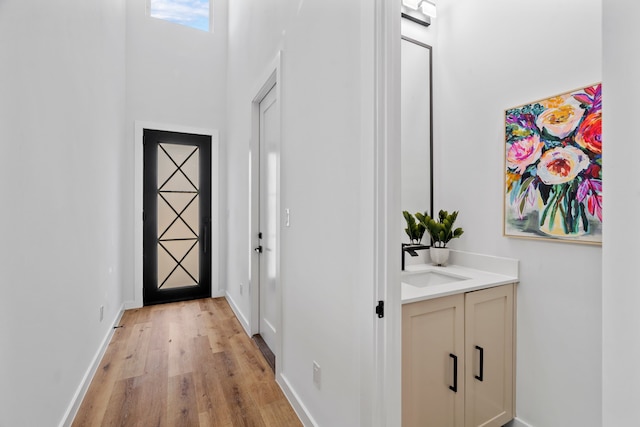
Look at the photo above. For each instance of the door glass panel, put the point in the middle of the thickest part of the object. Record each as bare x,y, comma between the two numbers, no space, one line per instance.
178,219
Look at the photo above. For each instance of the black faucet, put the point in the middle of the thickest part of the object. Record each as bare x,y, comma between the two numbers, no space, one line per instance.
411,249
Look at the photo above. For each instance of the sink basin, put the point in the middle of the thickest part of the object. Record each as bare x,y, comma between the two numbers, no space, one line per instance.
422,279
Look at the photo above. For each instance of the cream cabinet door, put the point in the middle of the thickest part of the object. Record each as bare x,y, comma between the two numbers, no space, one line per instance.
433,363
489,356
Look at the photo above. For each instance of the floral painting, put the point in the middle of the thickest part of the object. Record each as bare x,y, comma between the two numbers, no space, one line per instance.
553,162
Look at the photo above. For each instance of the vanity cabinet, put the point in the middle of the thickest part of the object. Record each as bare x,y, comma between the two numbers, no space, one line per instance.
458,360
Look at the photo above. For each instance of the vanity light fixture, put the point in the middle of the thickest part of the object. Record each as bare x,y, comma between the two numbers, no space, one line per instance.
428,8
419,11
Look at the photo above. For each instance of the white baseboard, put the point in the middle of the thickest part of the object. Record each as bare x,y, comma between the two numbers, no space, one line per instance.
305,418
517,423
218,293
241,318
81,391
128,305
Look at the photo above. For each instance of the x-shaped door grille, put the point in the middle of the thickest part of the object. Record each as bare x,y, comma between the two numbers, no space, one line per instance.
178,224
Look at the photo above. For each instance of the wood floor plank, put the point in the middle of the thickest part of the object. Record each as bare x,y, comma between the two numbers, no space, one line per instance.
279,413
244,411
137,349
184,364
183,406
155,390
180,350
120,403
158,339
259,380
211,401
190,319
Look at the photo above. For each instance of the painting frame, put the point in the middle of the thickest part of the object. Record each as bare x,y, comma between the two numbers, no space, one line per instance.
552,188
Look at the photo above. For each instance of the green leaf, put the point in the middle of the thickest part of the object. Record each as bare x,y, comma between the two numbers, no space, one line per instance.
585,220
421,217
521,205
525,185
552,216
414,230
441,230
550,203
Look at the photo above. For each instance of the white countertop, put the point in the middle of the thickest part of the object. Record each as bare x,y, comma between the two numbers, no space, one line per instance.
475,280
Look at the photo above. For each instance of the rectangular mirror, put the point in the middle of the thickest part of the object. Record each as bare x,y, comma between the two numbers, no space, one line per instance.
417,127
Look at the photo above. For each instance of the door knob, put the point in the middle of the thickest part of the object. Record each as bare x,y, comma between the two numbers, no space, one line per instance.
258,249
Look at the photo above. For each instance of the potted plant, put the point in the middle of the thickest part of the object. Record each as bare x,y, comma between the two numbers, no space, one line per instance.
441,233
415,230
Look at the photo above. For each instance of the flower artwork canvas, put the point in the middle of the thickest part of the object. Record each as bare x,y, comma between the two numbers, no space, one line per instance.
553,168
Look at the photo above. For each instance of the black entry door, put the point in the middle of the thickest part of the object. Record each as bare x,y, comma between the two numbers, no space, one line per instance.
177,217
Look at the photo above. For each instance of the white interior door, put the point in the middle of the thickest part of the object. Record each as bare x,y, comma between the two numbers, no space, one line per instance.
269,143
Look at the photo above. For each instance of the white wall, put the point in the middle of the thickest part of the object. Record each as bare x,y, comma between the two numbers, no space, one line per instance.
62,248
176,75
325,256
621,317
492,56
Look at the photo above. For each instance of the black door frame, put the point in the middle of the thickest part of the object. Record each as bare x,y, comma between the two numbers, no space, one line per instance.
151,294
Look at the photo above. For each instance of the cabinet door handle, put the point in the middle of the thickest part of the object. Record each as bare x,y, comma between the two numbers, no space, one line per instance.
479,377
454,387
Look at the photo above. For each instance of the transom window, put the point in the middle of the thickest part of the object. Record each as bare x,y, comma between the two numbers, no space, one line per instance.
192,13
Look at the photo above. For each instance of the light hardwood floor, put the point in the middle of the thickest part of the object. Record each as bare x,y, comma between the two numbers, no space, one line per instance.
184,364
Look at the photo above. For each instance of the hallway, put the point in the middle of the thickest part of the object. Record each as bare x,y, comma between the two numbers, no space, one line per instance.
184,364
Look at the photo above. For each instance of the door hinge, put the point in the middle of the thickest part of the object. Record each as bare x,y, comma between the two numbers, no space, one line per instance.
380,309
